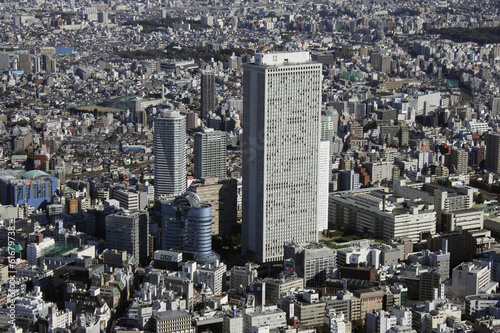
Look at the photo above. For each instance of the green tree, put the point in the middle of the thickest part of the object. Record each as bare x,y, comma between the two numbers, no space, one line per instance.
480,198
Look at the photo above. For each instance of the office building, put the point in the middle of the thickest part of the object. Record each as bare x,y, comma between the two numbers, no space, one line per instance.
192,120
275,287
461,246
129,232
314,262
492,141
169,144
222,196
207,93
35,250
173,322
281,135
233,324
102,17
270,316
187,227
337,322
348,180
323,182
306,306
209,192
381,217
130,199
453,206
471,279
210,154
327,125
243,276
429,282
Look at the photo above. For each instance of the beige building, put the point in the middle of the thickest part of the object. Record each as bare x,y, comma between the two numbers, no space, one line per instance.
274,287
178,321
222,195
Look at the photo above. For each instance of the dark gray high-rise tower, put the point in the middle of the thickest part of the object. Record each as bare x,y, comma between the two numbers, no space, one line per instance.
492,141
207,93
129,232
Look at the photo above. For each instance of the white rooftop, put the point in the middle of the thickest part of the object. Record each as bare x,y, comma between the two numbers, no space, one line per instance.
282,58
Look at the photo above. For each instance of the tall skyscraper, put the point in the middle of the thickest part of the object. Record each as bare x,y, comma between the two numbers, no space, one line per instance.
210,154
187,226
281,136
169,144
129,232
492,141
323,183
207,93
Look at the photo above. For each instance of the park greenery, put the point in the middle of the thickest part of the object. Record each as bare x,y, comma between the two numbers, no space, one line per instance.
486,35
174,51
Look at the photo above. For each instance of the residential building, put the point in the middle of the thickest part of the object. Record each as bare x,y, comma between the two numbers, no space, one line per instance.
210,154
459,160
207,93
169,143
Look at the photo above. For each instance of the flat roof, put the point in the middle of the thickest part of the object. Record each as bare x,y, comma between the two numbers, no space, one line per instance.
172,314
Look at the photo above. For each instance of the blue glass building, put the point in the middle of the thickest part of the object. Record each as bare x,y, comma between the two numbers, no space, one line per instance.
187,227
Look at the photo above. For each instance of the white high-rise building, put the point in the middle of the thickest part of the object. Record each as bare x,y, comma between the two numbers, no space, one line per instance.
170,154
323,181
281,136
